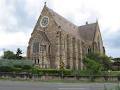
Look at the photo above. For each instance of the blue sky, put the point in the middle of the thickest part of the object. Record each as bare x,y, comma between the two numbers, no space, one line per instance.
18,18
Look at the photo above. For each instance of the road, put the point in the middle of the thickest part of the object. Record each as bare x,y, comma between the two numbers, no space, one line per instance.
25,85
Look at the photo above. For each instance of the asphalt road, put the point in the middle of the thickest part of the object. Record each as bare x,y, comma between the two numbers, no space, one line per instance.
22,85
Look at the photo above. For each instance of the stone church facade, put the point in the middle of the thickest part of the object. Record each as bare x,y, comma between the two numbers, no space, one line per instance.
55,41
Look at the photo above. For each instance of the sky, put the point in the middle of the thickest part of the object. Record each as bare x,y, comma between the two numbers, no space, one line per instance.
18,18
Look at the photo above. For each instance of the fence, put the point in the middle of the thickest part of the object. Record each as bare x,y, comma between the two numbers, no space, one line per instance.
26,76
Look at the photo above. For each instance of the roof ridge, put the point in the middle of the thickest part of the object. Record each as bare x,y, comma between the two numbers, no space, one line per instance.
52,11
88,24
88,31
65,24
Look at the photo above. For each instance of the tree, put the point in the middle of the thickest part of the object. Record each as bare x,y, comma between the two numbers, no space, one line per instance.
116,59
105,61
9,55
18,54
92,67
102,59
117,63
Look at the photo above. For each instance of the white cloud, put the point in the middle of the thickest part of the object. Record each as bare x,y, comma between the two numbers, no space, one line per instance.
9,39
7,17
14,40
11,34
34,7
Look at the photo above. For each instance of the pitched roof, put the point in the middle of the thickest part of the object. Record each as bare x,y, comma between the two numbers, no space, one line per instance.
87,32
65,25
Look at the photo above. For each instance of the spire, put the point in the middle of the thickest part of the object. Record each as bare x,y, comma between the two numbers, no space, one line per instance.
45,4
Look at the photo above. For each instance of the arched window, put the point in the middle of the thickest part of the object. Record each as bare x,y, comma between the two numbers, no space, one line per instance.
36,47
35,61
89,50
38,61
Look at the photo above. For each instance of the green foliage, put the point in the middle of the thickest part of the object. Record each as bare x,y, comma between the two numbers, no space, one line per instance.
101,59
116,64
111,73
35,71
92,67
116,59
67,72
10,54
95,64
6,69
15,65
50,71
18,53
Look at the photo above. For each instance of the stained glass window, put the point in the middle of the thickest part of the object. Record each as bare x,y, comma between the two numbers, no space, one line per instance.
36,47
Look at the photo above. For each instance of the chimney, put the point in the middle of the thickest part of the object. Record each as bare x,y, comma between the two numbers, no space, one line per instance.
86,23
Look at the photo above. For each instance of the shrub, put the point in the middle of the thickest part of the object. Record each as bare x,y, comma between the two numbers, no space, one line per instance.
15,65
101,59
92,67
50,71
6,69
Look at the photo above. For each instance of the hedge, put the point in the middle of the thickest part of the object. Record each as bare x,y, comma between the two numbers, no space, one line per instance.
51,71
15,65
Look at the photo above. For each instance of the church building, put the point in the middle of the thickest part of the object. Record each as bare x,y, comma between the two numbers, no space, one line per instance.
55,41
